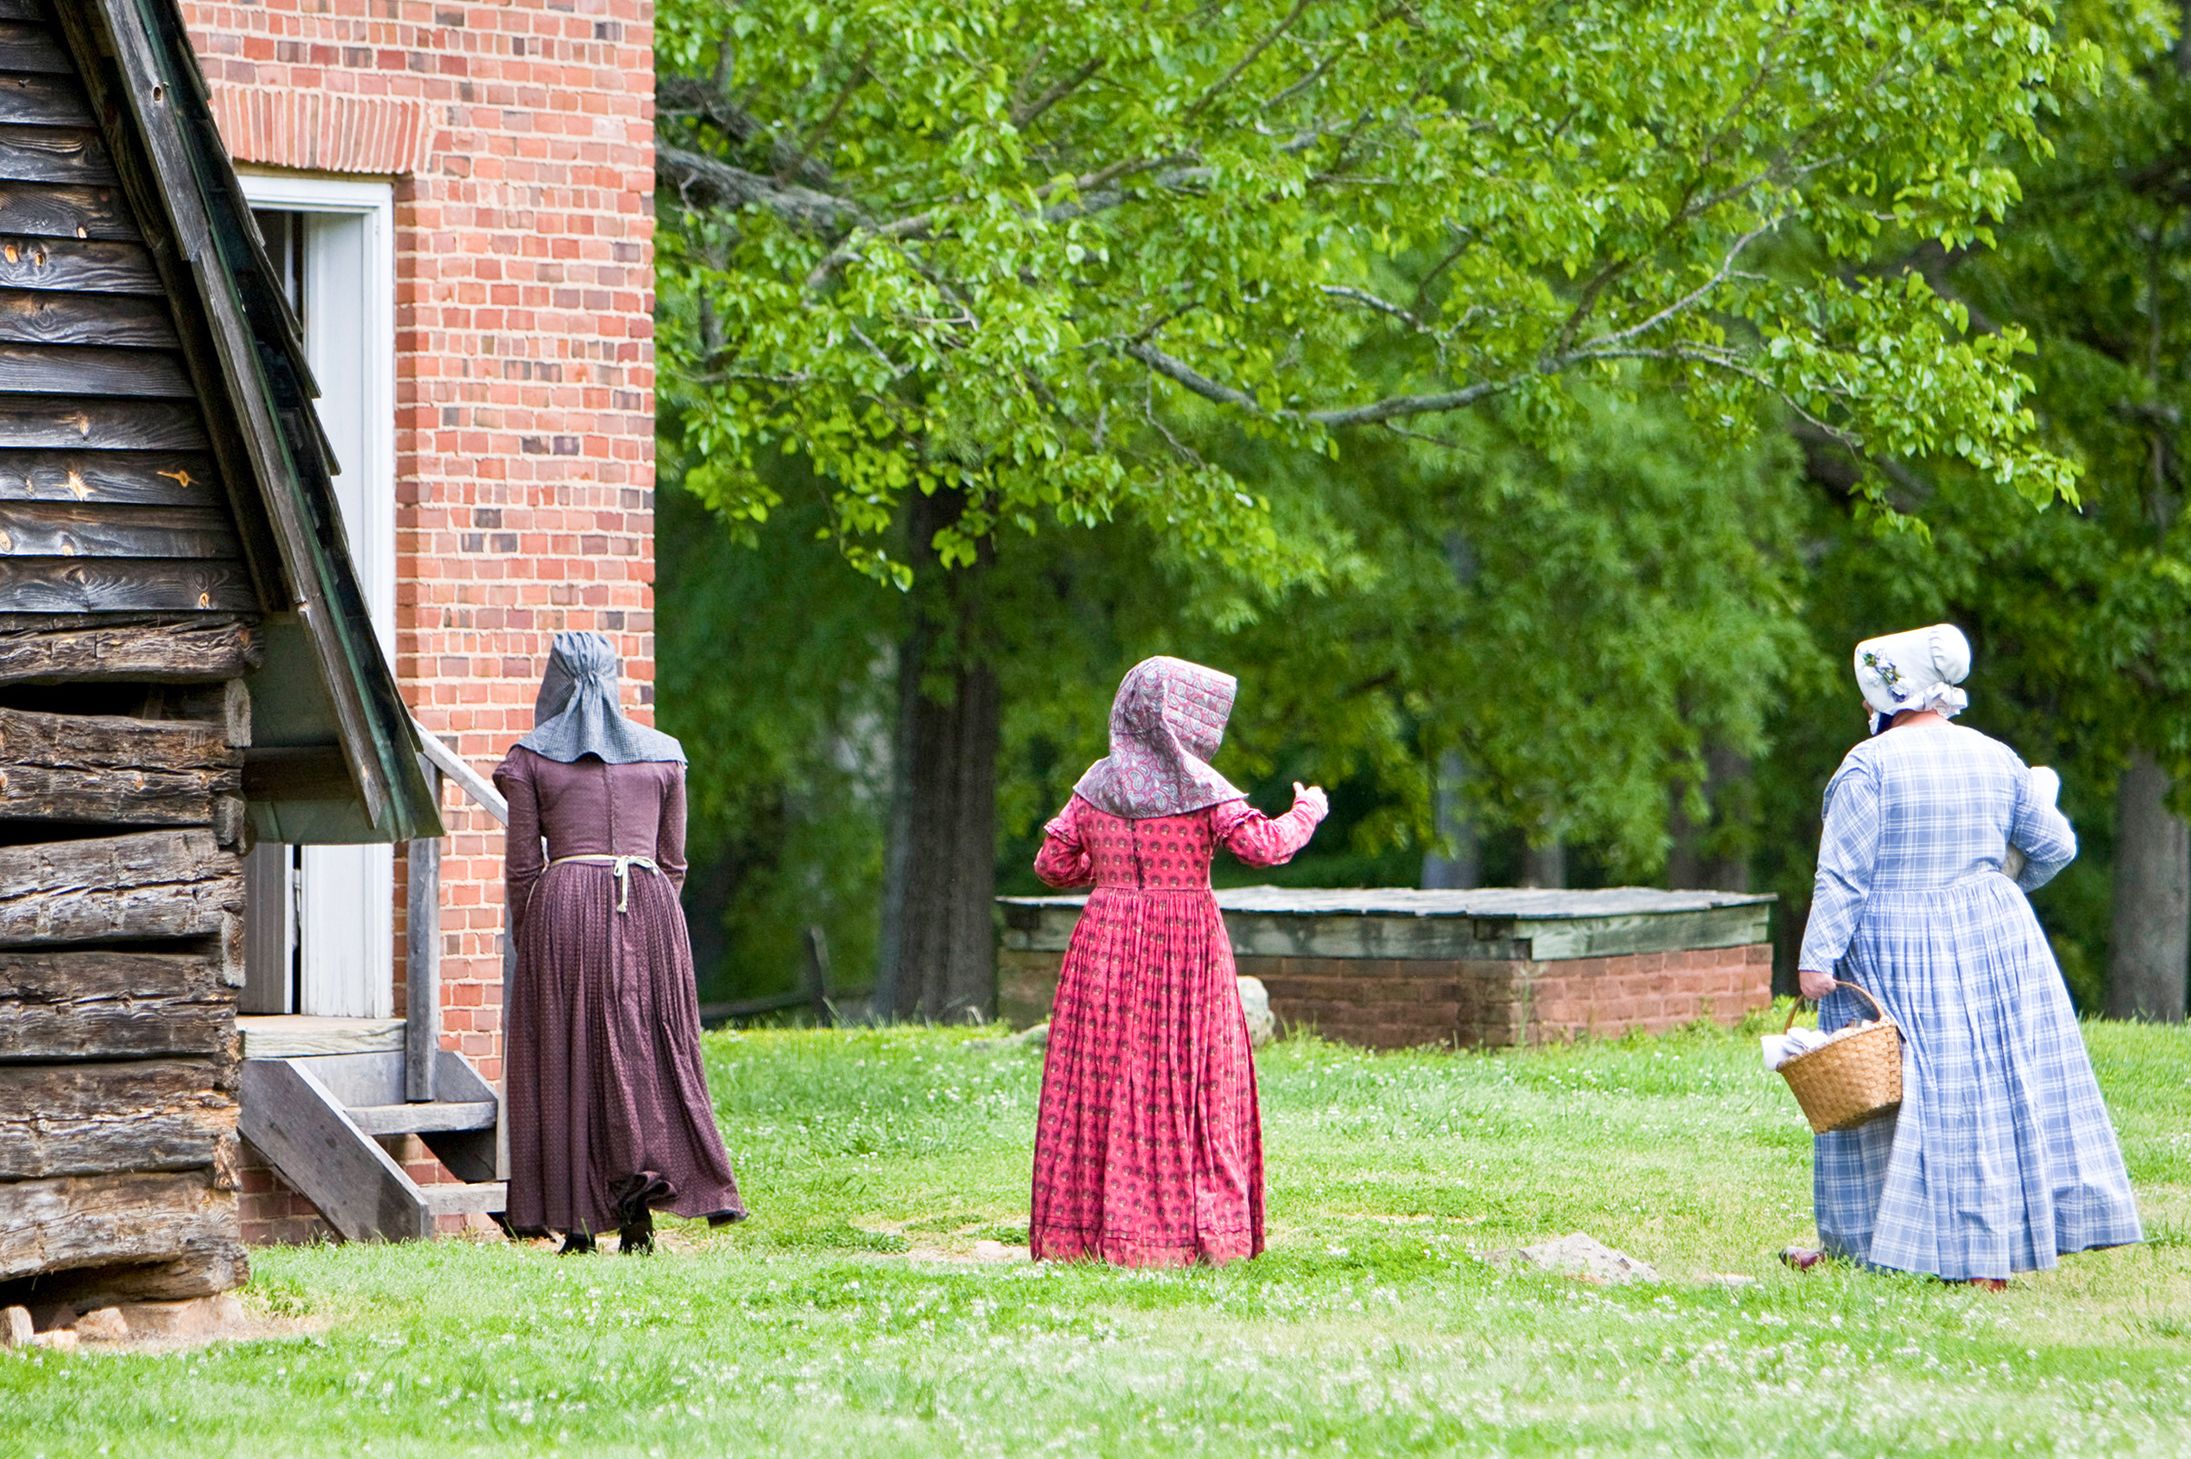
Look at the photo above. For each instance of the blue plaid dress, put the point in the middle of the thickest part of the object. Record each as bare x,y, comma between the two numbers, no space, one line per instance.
2002,1156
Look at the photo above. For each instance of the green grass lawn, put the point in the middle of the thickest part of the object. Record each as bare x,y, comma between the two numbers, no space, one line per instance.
863,1310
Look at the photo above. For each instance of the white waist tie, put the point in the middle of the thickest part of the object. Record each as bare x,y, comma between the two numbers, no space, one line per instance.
622,866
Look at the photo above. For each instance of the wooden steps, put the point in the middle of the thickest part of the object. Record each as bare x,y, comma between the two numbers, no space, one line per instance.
428,1116
472,1198
319,1119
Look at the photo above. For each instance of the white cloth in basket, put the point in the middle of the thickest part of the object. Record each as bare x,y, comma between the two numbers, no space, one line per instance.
1796,1042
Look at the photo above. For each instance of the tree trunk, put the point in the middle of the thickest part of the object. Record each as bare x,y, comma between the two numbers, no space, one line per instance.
1699,858
938,949
1544,863
2149,934
1462,866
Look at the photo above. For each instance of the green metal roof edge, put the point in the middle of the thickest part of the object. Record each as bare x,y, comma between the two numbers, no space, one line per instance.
380,735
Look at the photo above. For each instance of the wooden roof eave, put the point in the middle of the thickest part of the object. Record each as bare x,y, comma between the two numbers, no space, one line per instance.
212,254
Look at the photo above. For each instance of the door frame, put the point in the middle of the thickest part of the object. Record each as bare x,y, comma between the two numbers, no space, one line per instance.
373,201
368,521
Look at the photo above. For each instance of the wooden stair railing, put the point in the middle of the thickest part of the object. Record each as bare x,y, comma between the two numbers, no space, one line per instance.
422,944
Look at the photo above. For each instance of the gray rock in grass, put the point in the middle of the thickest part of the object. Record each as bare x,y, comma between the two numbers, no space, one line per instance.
1581,1257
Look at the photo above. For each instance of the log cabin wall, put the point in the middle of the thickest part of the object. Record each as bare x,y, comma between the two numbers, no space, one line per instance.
127,612
121,948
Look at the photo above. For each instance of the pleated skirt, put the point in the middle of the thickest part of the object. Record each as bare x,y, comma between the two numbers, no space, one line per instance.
2002,1157
607,1101
1148,1147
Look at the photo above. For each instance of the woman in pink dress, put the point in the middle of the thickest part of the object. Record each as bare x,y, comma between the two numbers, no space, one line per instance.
1149,1148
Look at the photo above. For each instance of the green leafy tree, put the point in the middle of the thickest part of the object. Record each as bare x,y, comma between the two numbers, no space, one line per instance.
2081,619
995,265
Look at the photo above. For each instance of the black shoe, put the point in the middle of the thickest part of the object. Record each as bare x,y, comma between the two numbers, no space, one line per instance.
577,1243
635,1237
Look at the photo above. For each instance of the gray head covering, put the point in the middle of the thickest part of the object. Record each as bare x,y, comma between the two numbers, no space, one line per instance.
576,712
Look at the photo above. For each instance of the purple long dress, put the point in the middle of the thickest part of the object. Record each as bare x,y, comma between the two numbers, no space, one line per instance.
608,1105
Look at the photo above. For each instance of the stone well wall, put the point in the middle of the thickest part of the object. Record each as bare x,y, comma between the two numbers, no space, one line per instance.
1481,968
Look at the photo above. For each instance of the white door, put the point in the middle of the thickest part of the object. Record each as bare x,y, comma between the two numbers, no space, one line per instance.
333,242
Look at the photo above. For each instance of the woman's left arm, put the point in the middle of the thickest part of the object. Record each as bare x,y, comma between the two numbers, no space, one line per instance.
1260,840
2039,830
669,837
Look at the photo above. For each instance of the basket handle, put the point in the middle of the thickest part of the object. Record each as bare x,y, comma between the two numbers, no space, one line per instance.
1797,1006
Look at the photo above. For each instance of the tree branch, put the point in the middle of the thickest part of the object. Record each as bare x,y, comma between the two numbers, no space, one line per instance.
1269,38
706,182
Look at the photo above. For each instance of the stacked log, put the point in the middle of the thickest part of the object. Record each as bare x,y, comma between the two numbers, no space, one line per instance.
121,949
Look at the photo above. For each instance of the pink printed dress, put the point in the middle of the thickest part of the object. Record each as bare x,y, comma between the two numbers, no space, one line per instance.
1149,1147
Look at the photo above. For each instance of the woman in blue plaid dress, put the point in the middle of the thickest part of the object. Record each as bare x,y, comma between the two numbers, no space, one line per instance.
2002,1157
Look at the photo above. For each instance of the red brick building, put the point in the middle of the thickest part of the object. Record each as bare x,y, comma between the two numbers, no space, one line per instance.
461,192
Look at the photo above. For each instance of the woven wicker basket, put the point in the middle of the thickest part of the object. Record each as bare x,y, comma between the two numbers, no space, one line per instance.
1852,1080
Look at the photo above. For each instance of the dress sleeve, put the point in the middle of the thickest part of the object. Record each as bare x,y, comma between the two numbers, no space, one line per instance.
1848,854
1063,861
522,857
1260,840
669,840
2041,832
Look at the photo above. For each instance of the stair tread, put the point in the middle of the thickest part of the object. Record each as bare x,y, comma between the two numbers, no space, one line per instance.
424,1116
463,1198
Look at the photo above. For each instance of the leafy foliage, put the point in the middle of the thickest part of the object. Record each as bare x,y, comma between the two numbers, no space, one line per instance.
999,248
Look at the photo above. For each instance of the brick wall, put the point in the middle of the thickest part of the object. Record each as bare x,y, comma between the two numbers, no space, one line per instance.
1395,1003
518,135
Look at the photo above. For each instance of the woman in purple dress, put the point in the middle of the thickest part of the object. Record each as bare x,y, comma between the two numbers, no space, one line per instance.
608,1107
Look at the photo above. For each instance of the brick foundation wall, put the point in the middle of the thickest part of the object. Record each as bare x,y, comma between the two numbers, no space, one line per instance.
273,1214
1393,1003
518,136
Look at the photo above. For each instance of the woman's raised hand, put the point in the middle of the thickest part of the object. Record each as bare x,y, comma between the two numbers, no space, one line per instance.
1313,797
1814,985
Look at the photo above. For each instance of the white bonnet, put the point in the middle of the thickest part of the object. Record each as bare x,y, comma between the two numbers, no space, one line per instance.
1916,670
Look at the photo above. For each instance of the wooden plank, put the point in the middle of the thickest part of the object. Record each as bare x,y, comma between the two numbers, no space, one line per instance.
50,210
95,370
56,317
30,10
443,757
422,961
105,1119
54,154
303,1132
43,100
114,741
112,1220
70,529
151,884
90,266
32,47
301,1035
479,1154
100,1003
475,1198
212,1261
101,425
408,1118
109,769
77,584
173,649
115,797
116,478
